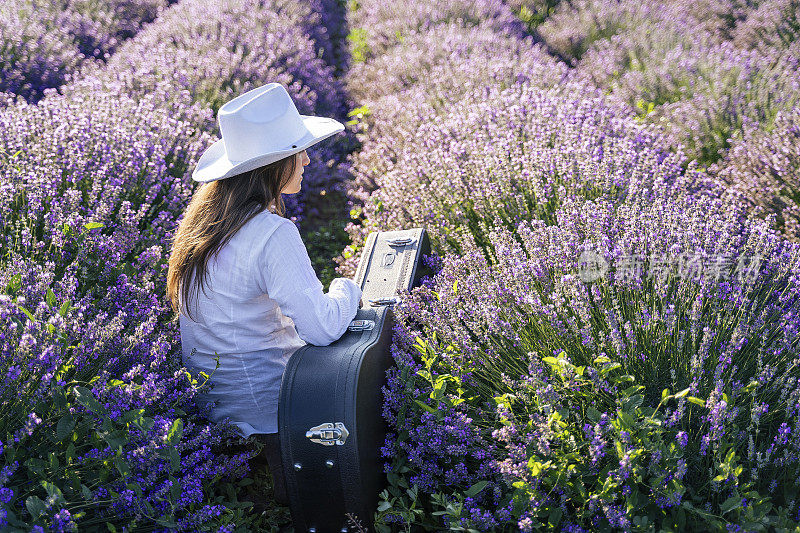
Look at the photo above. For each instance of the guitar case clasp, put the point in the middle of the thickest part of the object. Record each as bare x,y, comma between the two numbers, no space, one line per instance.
328,434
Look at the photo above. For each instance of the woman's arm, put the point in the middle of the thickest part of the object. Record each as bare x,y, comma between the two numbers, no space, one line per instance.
290,280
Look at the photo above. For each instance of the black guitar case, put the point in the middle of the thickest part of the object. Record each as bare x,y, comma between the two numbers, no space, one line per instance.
329,416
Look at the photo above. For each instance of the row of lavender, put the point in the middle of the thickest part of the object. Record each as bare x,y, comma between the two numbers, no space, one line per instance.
610,342
721,76
99,428
44,42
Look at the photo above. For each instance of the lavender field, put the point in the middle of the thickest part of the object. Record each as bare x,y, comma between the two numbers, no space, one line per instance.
610,341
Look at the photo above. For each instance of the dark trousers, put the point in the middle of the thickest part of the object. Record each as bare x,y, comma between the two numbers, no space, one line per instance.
270,457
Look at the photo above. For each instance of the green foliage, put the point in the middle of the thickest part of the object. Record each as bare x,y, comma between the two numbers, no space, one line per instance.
663,485
536,12
55,471
359,47
358,115
326,241
57,454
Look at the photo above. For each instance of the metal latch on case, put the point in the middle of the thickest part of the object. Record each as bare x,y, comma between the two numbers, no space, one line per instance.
328,434
400,241
385,300
361,325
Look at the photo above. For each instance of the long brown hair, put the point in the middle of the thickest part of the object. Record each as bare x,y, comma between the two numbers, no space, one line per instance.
215,213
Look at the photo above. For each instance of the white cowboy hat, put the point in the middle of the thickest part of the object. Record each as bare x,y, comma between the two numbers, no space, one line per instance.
260,127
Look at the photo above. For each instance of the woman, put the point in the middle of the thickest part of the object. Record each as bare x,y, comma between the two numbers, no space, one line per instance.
260,298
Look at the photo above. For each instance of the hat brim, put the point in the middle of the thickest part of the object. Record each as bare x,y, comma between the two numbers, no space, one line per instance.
214,163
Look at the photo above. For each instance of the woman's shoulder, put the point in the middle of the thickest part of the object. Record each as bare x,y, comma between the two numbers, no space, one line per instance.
266,224
266,219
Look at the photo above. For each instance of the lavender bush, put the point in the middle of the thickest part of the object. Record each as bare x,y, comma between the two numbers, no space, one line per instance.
720,331
773,24
702,92
376,27
764,167
521,163
573,27
435,68
96,412
99,27
217,51
43,43
427,74
106,433
657,394
609,341
33,58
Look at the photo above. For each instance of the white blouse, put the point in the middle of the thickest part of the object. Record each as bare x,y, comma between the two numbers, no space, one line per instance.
262,302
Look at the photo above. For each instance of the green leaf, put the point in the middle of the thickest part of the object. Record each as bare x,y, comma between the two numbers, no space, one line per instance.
475,489
664,394
53,492
122,466
534,466
425,406
175,489
174,460
633,389
683,393
87,399
27,313
93,225
630,404
695,400
627,419
730,504
384,506
64,427
731,455
554,518
37,466
115,438
593,414
14,284
111,527
51,297
167,522
35,506
175,433
750,386
144,423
